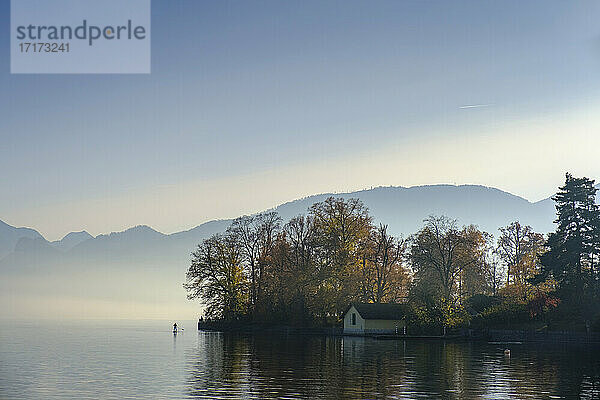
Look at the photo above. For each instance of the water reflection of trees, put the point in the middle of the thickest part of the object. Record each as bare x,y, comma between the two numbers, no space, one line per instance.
217,366
556,370
231,366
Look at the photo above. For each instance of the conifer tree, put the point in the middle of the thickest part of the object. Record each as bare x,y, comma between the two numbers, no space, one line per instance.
572,248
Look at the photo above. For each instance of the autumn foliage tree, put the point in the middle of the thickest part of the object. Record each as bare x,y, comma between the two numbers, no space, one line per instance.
306,271
449,265
519,249
254,237
342,229
294,275
385,277
216,276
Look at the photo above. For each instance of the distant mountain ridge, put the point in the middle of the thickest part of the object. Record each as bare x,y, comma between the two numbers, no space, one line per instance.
401,208
10,235
404,209
71,240
143,266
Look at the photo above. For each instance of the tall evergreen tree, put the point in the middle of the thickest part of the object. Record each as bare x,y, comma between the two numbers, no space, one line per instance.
595,252
571,248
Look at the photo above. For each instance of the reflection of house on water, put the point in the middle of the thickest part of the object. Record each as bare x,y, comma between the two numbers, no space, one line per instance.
352,347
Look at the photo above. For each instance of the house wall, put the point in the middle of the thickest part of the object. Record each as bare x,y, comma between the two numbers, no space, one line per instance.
383,326
357,329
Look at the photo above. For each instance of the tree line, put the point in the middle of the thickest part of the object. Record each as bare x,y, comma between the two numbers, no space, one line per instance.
309,269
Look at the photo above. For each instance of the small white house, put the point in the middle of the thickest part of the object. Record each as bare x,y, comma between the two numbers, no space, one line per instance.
373,318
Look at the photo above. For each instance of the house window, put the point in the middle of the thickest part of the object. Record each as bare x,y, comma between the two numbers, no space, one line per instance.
353,318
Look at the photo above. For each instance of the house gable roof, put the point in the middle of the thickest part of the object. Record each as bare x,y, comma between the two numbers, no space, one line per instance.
379,311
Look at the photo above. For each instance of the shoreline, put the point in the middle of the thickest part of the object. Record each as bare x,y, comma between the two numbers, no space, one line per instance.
471,335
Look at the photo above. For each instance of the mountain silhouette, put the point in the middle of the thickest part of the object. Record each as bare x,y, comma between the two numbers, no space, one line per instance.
143,266
71,240
10,235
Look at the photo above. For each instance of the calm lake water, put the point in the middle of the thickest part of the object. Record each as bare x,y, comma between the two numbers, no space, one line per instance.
144,360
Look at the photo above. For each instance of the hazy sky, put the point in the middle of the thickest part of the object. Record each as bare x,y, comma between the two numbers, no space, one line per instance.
250,104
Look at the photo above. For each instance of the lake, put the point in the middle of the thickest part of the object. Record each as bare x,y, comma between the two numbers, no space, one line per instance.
144,360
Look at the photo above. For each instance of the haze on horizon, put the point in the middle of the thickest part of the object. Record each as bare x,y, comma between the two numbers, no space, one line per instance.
249,107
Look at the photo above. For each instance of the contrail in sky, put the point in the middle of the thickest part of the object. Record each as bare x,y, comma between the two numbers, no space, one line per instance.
475,106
